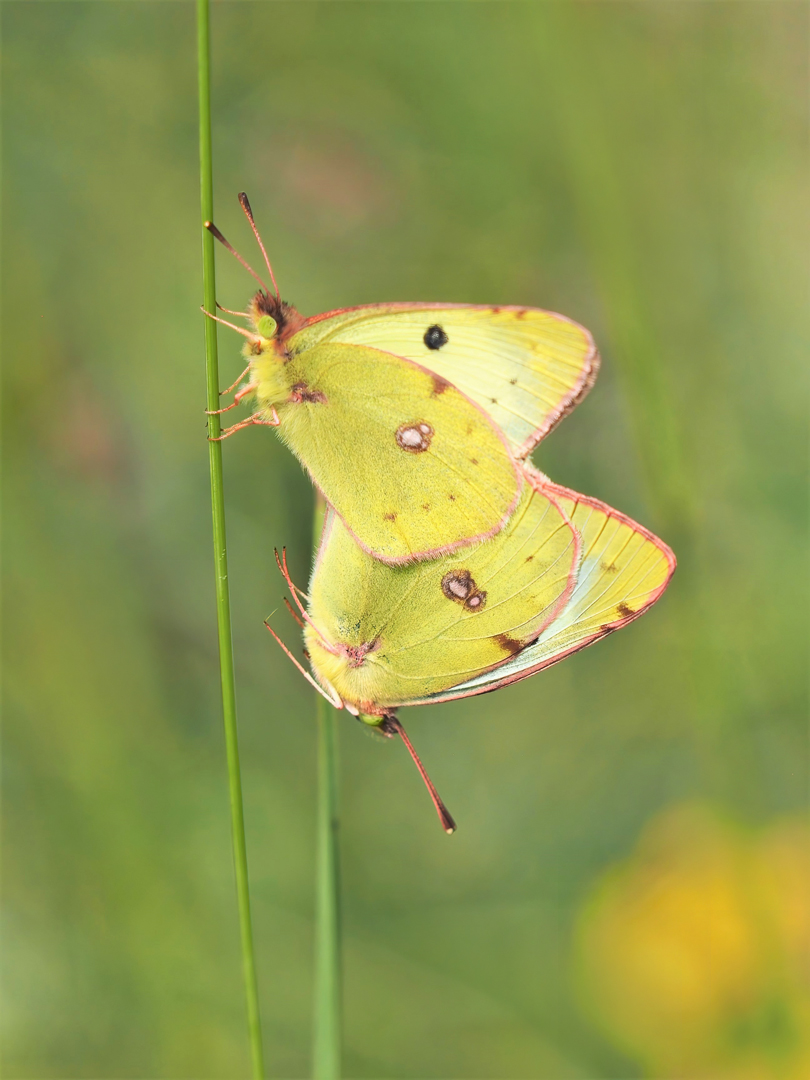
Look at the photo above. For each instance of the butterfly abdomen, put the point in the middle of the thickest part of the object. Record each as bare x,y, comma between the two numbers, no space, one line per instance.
351,669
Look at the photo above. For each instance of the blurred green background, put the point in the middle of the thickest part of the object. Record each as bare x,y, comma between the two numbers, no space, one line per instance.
626,894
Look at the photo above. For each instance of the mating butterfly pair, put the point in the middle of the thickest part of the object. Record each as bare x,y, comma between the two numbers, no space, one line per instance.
448,565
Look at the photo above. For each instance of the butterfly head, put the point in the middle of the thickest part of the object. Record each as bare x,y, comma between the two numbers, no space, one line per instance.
273,318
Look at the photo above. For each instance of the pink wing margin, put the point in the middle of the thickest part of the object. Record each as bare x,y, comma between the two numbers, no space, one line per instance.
542,483
568,402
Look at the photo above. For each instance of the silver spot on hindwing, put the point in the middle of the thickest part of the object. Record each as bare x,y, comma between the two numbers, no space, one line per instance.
414,438
460,586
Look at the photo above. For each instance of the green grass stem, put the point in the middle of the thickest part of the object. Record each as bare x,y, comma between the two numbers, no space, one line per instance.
221,554
326,1053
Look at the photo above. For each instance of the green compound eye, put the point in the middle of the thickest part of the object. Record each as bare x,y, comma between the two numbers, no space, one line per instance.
266,326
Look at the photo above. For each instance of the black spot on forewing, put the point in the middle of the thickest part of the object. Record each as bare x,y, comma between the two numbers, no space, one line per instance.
460,586
415,437
608,568
435,337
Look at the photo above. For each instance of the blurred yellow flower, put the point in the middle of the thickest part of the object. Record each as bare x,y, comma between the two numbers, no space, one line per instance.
693,954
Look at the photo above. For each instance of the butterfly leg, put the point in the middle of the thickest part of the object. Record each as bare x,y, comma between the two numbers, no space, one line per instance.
294,614
227,310
238,329
235,383
257,418
237,398
282,565
333,698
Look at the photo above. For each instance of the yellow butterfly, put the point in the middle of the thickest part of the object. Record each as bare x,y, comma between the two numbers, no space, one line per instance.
566,571
411,418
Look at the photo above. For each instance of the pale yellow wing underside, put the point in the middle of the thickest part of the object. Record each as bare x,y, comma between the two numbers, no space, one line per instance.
397,632
623,571
525,367
415,469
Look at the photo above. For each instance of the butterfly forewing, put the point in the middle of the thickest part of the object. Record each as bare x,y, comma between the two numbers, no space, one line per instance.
525,367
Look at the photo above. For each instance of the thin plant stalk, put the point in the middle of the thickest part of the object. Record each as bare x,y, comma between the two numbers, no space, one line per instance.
326,1055
220,552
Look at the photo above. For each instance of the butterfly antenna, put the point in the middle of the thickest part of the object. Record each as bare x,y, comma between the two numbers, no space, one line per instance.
243,201
282,565
215,232
332,698
445,817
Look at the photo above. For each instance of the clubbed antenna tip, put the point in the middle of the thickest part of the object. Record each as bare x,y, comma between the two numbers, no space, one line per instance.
215,232
245,204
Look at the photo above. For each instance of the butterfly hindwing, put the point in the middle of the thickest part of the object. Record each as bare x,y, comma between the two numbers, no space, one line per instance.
623,570
394,633
413,467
